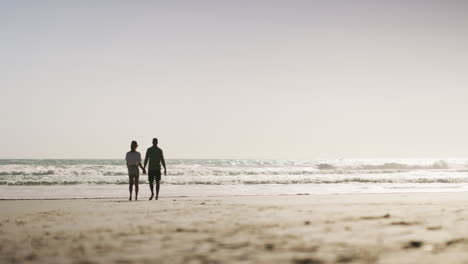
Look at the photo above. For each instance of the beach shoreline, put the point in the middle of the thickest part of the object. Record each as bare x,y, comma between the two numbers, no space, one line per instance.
120,191
345,228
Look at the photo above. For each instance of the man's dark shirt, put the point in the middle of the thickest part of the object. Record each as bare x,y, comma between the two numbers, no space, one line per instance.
155,156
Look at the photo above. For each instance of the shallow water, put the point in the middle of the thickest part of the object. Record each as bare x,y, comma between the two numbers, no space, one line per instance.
108,178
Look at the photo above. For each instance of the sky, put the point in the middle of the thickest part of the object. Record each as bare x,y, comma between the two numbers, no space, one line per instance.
234,79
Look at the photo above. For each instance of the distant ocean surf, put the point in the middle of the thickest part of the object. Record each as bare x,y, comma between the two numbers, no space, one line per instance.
192,177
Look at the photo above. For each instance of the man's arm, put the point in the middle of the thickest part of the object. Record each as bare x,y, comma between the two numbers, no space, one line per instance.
163,162
146,159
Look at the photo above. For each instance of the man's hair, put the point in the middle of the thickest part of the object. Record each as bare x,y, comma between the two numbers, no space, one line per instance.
155,139
134,142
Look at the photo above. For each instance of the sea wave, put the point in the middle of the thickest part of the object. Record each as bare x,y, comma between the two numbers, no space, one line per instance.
218,172
437,165
250,182
227,169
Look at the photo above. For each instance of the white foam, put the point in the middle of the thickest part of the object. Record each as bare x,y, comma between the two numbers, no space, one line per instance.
238,171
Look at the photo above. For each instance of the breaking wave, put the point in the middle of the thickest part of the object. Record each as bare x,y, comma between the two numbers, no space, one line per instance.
219,172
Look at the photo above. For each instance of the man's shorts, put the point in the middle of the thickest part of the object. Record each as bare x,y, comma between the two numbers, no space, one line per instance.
154,174
133,170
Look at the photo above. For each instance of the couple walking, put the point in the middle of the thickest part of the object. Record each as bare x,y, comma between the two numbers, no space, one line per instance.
155,157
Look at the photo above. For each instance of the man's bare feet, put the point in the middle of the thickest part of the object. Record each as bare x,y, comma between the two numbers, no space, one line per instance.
156,197
136,198
130,198
151,197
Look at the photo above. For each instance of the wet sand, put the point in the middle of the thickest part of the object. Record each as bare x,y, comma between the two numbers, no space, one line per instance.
301,229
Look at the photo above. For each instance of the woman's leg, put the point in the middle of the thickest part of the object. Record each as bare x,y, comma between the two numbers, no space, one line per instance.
136,187
130,187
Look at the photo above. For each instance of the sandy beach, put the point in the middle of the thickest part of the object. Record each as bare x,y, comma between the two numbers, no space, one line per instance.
301,229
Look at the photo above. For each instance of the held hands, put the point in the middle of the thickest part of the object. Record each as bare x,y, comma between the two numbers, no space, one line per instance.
144,171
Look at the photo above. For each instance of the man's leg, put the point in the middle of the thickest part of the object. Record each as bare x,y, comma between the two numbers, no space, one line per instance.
158,179
130,187
157,188
136,187
150,180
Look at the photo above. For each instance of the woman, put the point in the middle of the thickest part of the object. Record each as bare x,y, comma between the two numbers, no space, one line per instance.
133,159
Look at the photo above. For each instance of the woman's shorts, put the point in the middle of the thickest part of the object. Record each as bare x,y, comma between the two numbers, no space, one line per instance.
133,170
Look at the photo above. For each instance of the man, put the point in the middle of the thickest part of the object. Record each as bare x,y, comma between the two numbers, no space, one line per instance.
155,156
133,159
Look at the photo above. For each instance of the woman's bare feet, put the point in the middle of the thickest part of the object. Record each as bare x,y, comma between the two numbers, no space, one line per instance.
130,198
151,197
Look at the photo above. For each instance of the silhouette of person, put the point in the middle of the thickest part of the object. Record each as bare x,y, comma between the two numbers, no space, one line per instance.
133,159
155,156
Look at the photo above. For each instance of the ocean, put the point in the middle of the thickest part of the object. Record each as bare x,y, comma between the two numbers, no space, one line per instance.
65,179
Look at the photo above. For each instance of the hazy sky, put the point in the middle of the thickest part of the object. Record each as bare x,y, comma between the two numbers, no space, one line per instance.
234,79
